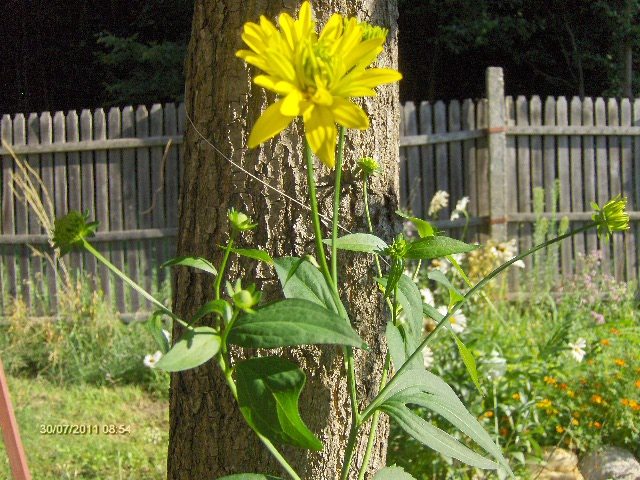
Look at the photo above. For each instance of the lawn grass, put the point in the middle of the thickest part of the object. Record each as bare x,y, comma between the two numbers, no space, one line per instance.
139,455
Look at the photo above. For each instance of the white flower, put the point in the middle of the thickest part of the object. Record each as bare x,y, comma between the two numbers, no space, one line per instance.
439,201
518,263
151,359
577,349
427,296
167,335
458,319
496,365
461,206
427,357
455,215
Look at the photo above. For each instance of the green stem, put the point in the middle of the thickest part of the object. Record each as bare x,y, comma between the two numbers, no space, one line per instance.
223,266
228,375
466,225
336,208
478,286
365,196
89,248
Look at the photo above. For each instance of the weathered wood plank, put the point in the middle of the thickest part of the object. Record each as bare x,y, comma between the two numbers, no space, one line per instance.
158,219
482,161
524,178
442,155
88,186
511,188
100,237
37,275
102,195
549,145
402,169
143,188
635,200
74,183
445,137
48,169
607,131
131,206
427,157
456,170
602,176
589,179
613,119
626,168
115,204
9,278
564,176
412,157
535,114
171,172
22,218
470,186
111,144
577,186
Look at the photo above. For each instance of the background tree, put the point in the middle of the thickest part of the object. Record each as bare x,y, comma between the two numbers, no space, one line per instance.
208,437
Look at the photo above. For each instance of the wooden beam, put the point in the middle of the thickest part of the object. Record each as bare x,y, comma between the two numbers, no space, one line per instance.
574,130
432,138
571,216
144,234
89,145
10,433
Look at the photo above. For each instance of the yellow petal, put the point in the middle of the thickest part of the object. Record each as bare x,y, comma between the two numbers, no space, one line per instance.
280,65
290,106
320,131
367,50
349,114
305,21
275,84
270,124
287,27
333,29
372,77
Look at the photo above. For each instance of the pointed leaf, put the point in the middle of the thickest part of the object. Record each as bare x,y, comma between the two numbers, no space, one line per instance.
254,253
468,360
194,348
395,344
359,242
214,306
454,294
292,322
437,247
154,326
307,283
432,312
395,272
195,262
268,393
425,229
392,473
435,438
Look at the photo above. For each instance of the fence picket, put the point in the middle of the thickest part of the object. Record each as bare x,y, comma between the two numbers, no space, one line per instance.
442,157
35,260
634,201
130,199
470,186
115,203
456,170
577,187
524,177
48,169
74,178
88,185
102,195
589,178
412,157
426,155
602,175
482,162
158,167
171,175
626,167
143,190
9,284
613,119
565,181
22,217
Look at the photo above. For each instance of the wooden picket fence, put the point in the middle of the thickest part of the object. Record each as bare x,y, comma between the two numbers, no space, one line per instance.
495,150
109,164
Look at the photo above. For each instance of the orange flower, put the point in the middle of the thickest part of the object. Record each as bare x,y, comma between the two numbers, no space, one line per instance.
597,399
614,330
625,402
563,386
637,383
620,362
550,380
488,414
605,342
559,428
504,432
597,424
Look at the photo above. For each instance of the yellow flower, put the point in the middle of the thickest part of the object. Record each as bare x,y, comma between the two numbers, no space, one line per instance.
620,362
637,383
597,399
544,403
559,428
575,421
550,380
516,396
314,75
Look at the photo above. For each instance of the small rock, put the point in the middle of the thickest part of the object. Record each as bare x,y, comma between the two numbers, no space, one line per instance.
610,463
558,464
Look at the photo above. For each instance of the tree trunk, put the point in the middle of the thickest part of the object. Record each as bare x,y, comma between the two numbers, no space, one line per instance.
208,437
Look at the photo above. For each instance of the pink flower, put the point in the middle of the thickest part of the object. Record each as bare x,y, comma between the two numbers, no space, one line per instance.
598,318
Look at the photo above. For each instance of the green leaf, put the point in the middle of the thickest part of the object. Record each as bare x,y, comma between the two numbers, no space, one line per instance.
214,306
437,247
290,322
432,312
456,413
392,473
196,346
435,438
359,242
395,272
254,253
268,393
395,344
469,361
454,294
154,326
70,231
195,262
425,229
249,476
306,283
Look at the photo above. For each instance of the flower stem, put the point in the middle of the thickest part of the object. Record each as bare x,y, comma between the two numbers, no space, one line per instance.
89,248
223,266
478,286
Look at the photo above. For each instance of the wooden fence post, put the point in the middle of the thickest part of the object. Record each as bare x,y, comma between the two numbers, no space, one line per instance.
497,141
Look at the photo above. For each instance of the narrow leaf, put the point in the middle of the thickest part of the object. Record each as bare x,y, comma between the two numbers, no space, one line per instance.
425,229
359,242
392,473
195,262
268,393
469,361
254,253
435,438
154,326
306,283
432,312
454,294
214,306
196,346
292,322
395,344
437,247
395,272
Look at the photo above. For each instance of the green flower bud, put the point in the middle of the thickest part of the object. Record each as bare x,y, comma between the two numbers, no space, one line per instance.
244,299
398,249
368,166
612,217
70,230
240,221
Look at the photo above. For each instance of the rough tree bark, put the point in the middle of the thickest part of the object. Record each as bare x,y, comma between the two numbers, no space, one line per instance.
208,437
